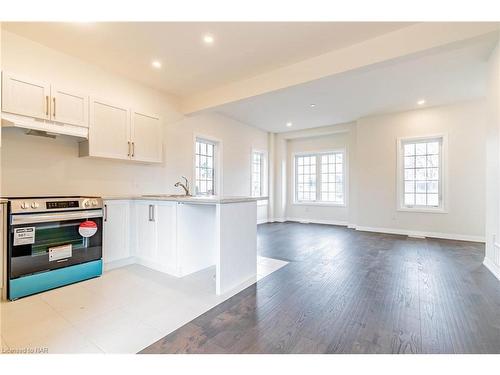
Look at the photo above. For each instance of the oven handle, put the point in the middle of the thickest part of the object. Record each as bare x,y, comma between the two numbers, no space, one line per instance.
43,218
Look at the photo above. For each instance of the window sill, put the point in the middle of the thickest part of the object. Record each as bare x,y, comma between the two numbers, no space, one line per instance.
321,204
438,210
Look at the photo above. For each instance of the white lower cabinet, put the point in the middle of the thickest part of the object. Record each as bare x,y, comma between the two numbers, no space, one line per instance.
155,235
160,234
116,232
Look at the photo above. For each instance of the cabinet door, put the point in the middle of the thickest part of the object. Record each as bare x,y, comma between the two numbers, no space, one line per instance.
146,138
25,97
145,227
167,237
116,234
109,129
69,107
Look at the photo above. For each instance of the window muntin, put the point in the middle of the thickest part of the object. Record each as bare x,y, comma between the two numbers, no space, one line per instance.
257,174
332,178
421,173
320,178
305,178
205,167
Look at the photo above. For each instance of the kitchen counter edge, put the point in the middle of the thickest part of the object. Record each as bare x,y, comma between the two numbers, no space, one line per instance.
191,200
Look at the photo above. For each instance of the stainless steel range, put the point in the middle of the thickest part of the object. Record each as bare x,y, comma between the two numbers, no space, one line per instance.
52,241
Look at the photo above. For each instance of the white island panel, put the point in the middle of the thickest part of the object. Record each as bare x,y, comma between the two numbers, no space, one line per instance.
236,244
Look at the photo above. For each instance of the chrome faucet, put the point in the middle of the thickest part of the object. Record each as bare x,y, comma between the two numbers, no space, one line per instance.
184,186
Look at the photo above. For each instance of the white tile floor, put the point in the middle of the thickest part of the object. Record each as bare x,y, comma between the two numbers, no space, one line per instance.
123,311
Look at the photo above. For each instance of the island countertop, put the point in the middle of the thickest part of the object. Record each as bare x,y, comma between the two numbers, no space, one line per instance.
185,199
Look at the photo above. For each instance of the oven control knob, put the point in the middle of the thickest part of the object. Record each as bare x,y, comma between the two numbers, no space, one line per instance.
34,205
86,204
25,205
94,203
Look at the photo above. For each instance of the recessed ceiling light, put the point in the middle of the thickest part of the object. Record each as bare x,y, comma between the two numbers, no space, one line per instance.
288,124
312,105
156,64
208,39
421,102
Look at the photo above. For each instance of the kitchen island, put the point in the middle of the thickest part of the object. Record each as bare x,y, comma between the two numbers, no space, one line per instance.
180,235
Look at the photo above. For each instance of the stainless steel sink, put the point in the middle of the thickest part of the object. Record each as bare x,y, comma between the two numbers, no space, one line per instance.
165,196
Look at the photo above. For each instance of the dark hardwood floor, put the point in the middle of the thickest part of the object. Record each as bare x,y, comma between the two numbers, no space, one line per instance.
353,292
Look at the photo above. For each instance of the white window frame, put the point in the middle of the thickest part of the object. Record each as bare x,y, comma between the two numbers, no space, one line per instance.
264,174
217,162
443,174
318,155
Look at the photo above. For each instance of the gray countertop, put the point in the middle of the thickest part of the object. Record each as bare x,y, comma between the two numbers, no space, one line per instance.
184,199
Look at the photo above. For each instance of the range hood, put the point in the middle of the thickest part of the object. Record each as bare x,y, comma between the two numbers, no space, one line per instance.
43,127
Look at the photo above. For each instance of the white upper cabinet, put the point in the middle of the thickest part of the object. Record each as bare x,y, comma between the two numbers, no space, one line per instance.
33,99
69,107
117,132
25,97
109,131
146,138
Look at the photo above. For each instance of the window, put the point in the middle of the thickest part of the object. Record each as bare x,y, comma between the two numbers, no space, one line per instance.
257,174
305,178
205,167
421,164
332,178
320,178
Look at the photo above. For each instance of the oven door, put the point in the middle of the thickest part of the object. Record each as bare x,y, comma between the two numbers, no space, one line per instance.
44,242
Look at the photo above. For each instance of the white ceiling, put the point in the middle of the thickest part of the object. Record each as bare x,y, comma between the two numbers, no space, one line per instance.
241,49
440,77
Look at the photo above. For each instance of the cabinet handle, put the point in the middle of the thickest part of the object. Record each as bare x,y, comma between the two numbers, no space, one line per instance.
128,153
151,212
46,105
133,149
54,101
105,212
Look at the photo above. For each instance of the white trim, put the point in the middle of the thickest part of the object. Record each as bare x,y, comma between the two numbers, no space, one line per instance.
428,210
262,221
276,220
416,233
443,174
492,267
345,175
108,266
264,171
319,203
314,221
217,165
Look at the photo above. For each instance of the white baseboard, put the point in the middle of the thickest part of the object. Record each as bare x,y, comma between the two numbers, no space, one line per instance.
420,234
262,221
276,220
314,221
108,266
492,267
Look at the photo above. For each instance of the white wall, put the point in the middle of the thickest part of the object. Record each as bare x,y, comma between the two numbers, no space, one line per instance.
376,145
492,258
372,163
37,166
